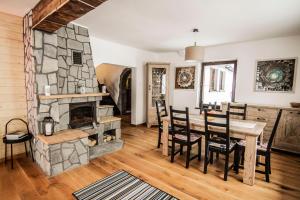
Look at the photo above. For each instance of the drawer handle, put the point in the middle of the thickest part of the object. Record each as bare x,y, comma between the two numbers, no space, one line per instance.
261,118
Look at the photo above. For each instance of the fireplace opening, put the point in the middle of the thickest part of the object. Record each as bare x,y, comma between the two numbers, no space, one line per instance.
82,114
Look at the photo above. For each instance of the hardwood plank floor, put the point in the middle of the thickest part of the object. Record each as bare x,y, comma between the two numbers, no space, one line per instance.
141,158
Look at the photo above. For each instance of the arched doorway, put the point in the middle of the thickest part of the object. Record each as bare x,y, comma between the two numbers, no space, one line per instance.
125,92
118,80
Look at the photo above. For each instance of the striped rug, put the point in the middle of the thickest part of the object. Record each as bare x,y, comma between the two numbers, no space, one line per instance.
121,185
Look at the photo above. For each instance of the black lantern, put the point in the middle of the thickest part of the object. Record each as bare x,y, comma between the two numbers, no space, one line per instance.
48,126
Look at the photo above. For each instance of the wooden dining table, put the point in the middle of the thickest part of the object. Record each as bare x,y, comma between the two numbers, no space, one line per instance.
241,129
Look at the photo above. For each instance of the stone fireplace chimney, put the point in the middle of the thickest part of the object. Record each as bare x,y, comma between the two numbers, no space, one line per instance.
49,61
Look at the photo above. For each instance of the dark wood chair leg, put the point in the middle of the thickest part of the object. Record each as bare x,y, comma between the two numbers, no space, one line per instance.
181,149
269,163
217,155
159,139
226,166
26,149
236,160
199,150
31,150
11,156
211,157
5,153
172,151
267,167
188,152
242,156
205,159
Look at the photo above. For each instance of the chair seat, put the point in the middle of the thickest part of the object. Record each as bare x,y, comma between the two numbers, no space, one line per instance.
161,127
193,137
221,147
260,147
23,139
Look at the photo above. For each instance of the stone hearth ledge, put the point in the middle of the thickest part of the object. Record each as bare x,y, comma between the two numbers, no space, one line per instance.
64,96
62,136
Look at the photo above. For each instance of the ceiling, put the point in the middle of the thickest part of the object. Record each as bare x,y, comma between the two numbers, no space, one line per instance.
166,25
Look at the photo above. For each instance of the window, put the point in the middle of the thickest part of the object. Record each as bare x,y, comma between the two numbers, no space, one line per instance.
77,57
217,82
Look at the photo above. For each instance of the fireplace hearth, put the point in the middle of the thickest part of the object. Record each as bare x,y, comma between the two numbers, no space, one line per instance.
82,114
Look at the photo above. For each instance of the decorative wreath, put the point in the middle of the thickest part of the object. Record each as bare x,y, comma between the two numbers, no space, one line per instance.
185,77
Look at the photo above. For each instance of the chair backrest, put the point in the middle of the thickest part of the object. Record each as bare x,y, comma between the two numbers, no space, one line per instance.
161,111
239,110
208,106
180,122
217,128
16,119
270,142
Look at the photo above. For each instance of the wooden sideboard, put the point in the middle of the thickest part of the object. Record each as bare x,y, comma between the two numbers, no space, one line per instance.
287,137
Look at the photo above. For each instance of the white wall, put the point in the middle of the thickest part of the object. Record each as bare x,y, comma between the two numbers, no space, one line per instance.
109,52
247,53
181,98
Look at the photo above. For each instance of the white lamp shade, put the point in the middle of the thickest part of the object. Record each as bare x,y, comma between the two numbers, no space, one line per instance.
194,53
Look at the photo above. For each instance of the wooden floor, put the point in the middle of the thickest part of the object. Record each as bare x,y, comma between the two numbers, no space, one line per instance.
141,158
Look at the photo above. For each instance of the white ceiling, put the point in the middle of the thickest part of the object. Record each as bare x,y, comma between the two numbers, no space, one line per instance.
167,24
164,25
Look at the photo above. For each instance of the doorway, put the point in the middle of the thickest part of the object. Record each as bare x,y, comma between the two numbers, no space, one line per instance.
118,81
125,92
218,81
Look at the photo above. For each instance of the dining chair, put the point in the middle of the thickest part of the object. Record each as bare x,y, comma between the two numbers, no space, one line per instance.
161,111
208,106
180,125
217,139
238,110
26,137
263,149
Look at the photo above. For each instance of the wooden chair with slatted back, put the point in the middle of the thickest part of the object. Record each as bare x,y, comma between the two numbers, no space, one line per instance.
237,110
180,125
161,111
264,149
217,139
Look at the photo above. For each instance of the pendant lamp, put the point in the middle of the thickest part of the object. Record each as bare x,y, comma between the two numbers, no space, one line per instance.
194,53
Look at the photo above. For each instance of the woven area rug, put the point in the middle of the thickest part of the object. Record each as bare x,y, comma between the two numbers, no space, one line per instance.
121,185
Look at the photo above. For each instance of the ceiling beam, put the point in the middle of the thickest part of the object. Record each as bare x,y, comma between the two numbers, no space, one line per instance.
50,15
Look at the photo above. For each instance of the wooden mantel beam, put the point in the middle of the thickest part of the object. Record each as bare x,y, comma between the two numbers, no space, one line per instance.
50,15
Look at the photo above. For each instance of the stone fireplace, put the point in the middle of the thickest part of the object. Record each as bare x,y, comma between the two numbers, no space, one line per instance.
82,114
49,60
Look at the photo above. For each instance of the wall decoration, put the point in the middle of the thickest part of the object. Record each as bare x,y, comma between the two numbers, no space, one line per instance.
185,78
275,75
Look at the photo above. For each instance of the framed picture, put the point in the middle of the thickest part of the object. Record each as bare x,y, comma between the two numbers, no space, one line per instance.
276,75
185,78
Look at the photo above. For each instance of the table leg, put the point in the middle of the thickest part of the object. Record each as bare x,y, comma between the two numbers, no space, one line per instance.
250,160
165,138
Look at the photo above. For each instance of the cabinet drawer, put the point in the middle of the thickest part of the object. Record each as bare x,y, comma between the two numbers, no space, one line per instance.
262,113
266,119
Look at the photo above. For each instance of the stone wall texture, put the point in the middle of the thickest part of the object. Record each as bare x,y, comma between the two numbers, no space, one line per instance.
57,158
52,65
29,68
75,38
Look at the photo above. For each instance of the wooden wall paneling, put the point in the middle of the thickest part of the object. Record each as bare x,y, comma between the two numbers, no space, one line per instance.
12,76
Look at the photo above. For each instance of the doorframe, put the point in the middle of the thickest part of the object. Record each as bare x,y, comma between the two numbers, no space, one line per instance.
234,62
